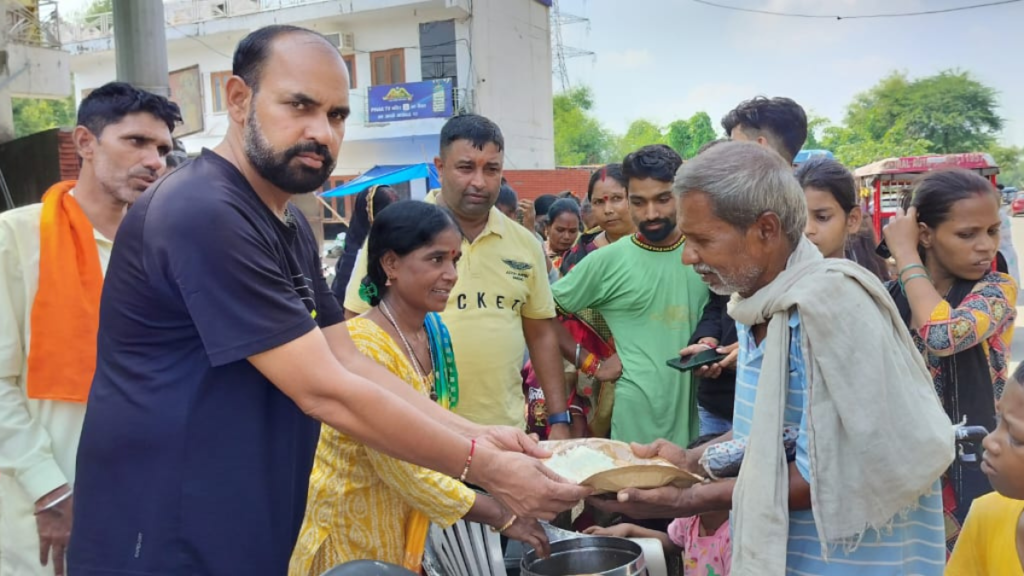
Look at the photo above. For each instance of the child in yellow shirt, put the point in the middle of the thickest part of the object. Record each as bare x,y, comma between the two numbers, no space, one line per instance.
992,540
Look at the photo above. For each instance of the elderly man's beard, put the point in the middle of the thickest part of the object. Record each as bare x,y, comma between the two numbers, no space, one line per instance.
724,284
277,167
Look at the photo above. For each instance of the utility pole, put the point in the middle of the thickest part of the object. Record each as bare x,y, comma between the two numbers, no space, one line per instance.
140,44
561,51
6,110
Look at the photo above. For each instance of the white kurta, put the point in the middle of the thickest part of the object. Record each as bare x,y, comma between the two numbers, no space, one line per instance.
38,438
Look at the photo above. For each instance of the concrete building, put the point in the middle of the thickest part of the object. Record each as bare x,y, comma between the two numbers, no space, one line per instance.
496,53
31,62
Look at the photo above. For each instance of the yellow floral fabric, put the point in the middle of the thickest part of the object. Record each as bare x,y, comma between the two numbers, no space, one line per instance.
359,499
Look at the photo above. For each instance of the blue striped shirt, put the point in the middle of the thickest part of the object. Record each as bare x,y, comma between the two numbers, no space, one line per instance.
915,544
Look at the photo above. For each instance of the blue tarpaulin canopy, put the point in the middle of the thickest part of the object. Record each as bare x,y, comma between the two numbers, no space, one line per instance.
805,155
386,174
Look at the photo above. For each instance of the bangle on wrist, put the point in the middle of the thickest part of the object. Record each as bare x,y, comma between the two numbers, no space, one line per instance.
579,348
506,525
903,281
590,364
55,502
909,267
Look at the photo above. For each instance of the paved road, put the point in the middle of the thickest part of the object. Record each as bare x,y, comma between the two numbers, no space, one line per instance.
1017,353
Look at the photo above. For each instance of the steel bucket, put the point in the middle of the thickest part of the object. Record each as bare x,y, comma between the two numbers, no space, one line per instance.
600,555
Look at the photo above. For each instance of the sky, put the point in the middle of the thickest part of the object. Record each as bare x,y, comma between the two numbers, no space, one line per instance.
663,60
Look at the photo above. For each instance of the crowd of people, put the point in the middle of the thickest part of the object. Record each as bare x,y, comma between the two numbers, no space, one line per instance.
195,399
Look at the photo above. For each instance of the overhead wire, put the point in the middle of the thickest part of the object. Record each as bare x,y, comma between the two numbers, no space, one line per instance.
857,16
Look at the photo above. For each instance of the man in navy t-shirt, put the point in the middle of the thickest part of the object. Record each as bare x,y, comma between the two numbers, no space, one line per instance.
219,338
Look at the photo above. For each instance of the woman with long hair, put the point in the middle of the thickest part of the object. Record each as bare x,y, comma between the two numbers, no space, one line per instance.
960,311
368,204
362,504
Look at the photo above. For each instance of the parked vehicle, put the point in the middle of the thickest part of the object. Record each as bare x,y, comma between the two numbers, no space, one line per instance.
1017,206
889,178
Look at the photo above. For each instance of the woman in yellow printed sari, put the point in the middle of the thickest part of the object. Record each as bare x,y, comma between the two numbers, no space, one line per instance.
363,504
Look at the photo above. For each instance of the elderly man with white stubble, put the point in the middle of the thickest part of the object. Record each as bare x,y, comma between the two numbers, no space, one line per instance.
823,355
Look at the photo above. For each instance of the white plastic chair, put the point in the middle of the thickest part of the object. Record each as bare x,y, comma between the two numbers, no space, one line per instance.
471,549
464,549
654,556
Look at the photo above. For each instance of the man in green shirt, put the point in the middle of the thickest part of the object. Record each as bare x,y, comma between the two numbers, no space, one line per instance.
651,302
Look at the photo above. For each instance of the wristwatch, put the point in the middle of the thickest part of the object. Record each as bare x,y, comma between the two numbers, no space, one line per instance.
560,418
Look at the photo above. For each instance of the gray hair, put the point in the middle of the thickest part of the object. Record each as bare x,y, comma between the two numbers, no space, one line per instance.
743,181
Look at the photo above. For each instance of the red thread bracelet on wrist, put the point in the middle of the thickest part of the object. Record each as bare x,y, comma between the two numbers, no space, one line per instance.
469,460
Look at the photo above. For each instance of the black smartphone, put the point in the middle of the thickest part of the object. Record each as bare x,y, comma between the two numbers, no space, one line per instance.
883,250
687,363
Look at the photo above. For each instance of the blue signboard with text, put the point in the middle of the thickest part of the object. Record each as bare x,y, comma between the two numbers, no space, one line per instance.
411,101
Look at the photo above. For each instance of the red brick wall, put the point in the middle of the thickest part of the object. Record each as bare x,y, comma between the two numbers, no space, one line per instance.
532,183
67,156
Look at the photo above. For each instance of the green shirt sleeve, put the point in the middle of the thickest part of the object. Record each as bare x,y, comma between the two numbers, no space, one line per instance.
584,286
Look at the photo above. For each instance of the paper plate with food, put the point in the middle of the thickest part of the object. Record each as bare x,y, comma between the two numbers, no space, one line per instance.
610,466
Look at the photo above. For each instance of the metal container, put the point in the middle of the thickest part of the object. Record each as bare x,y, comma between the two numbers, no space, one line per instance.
601,555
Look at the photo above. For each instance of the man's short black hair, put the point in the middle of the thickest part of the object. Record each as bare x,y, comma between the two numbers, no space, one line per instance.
253,51
782,118
111,102
656,161
478,130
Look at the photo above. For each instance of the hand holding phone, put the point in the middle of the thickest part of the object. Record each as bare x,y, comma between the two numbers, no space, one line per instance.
687,363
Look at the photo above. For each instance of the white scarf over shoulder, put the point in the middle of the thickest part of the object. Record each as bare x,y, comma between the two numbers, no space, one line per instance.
878,437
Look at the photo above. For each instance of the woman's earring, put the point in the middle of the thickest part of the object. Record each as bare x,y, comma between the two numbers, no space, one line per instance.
388,283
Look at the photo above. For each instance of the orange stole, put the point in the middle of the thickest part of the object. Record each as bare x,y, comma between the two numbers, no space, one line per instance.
65,313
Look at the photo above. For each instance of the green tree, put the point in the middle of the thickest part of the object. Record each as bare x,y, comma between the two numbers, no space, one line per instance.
640,133
855,147
579,137
687,136
702,131
951,110
815,126
99,7
1011,164
677,135
33,115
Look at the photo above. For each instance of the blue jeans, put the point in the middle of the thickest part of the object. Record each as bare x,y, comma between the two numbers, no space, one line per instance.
712,424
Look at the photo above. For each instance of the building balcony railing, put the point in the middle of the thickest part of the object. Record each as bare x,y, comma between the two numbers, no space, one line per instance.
33,26
99,26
